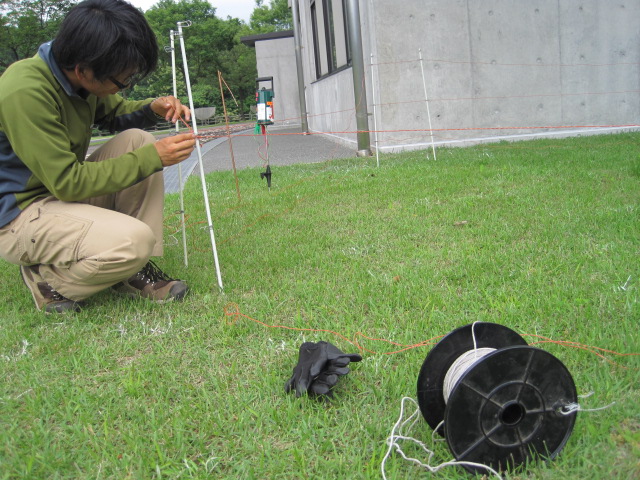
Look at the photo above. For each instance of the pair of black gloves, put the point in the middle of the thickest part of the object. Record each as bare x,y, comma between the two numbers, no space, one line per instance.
319,367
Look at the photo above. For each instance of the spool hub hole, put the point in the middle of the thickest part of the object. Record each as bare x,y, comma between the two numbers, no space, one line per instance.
512,414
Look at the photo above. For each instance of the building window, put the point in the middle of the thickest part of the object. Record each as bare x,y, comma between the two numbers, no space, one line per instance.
330,38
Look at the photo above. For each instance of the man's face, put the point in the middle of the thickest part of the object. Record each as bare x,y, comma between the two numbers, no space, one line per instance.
109,86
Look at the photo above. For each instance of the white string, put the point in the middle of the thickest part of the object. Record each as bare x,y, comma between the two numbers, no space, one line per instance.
575,407
435,431
401,435
473,335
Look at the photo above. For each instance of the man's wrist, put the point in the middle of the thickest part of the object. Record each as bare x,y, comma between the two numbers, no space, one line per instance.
156,114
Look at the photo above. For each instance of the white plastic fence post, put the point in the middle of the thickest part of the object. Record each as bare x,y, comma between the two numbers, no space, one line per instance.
172,49
426,99
199,152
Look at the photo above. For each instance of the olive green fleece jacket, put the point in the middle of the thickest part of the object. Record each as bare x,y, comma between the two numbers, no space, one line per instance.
45,130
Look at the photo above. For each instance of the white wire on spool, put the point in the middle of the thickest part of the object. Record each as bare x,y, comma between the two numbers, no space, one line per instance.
458,368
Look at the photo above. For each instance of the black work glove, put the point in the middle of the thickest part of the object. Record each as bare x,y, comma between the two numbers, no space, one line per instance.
319,366
328,378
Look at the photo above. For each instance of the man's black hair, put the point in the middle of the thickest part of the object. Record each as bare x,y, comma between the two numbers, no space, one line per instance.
108,36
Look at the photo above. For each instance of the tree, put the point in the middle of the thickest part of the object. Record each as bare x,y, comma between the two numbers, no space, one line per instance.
26,24
208,42
272,18
211,44
240,73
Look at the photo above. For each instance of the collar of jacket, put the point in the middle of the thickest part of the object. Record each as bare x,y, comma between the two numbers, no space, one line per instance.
47,55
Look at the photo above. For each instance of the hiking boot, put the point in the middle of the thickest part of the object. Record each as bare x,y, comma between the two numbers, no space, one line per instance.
154,284
44,295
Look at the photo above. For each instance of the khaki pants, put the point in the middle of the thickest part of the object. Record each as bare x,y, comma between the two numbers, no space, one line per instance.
85,247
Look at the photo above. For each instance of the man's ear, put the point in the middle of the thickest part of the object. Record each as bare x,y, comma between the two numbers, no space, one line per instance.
82,71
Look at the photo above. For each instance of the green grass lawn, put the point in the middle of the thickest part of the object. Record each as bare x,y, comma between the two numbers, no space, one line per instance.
540,236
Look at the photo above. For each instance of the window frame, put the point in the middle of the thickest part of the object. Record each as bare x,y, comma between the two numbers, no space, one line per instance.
332,53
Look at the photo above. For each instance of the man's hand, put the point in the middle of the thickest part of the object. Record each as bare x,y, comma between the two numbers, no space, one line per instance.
176,148
171,109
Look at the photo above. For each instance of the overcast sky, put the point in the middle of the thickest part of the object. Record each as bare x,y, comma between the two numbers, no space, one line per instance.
233,8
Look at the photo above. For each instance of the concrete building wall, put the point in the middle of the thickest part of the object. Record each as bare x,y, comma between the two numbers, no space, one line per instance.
276,58
493,69
322,99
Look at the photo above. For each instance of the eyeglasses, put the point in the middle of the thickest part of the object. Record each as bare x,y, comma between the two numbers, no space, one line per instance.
129,81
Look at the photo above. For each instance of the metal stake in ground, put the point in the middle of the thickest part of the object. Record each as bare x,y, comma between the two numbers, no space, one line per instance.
172,49
199,152
267,173
265,116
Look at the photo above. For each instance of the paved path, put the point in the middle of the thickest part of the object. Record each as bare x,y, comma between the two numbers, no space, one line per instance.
287,146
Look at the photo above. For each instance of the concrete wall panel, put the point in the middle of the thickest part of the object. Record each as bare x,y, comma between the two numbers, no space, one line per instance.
322,98
600,48
402,30
515,65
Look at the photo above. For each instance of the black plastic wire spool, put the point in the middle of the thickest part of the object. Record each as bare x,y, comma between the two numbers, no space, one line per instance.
506,408
442,356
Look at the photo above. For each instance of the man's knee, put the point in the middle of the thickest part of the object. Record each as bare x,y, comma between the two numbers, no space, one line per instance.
137,137
136,247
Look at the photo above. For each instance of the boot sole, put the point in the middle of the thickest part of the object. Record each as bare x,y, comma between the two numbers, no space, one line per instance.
174,294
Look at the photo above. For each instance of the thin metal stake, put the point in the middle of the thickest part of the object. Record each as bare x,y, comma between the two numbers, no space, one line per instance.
426,99
266,143
375,116
172,48
199,151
